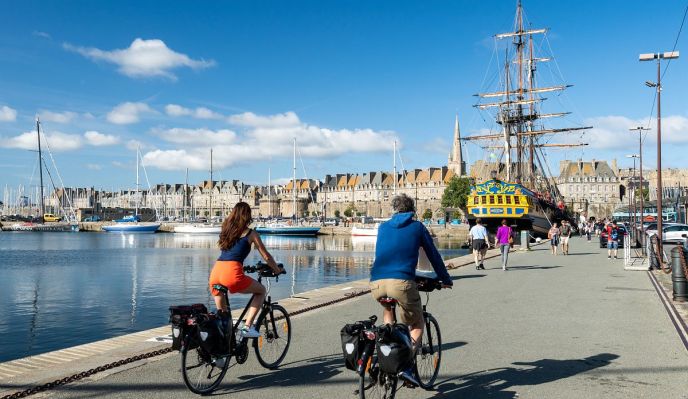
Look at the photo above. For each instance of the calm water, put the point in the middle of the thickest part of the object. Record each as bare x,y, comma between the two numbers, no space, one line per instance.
66,289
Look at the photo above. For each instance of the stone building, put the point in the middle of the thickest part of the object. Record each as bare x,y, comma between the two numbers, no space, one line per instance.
590,187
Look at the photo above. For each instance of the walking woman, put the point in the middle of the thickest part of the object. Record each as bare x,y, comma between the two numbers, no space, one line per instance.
236,240
553,235
504,240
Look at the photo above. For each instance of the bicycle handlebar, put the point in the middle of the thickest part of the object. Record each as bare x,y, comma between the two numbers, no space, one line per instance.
428,284
264,270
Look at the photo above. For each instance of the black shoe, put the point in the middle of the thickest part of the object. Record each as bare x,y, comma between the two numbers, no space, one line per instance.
482,267
409,378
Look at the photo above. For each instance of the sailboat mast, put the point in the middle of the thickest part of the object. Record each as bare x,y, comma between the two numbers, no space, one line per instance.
40,166
394,156
269,194
137,199
210,215
531,139
186,195
293,187
506,123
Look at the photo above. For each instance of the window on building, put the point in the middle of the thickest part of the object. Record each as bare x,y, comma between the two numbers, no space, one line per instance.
517,200
492,199
476,200
508,200
500,199
483,199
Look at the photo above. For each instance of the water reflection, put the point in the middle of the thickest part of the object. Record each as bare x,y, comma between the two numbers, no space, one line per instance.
67,289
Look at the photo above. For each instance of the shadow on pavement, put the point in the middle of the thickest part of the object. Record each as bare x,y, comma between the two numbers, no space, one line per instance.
447,346
497,383
303,372
454,278
527,267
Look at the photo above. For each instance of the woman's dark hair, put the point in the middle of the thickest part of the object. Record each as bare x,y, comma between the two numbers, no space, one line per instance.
234,225
403,203
503,222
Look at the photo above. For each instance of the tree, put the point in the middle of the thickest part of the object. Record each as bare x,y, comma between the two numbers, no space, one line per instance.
349,211
456,193
646,193
427,214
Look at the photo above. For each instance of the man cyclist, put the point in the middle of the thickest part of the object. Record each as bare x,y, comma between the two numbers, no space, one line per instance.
394,270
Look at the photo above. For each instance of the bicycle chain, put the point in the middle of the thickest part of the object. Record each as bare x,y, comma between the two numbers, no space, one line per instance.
110,366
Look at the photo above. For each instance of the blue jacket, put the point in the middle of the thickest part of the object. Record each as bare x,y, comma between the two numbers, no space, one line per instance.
396,251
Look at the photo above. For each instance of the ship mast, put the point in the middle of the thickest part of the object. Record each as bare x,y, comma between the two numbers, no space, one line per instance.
518,110
40,166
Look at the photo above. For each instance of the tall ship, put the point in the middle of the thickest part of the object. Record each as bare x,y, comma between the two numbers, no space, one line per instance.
515,183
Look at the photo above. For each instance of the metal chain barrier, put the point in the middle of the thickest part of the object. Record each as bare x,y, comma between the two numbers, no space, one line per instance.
110,366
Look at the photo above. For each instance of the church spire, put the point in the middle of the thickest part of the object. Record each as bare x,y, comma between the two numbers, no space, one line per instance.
456,162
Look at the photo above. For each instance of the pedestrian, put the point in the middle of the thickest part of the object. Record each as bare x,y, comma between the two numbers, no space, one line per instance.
504,239
479,243
588,230
553,236
565,236
612,240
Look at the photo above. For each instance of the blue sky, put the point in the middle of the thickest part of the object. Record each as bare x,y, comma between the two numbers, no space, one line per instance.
346,78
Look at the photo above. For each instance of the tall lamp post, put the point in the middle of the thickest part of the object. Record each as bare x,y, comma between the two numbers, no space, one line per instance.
635,189
640,130
658,85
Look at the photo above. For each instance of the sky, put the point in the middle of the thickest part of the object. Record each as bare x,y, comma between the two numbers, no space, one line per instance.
345,78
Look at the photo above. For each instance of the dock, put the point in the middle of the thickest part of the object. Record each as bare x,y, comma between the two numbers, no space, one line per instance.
572,326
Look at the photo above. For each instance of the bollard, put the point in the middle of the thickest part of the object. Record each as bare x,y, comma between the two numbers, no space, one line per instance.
525,240
678,276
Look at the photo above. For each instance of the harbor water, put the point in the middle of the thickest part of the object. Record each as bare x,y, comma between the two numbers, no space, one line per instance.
65,289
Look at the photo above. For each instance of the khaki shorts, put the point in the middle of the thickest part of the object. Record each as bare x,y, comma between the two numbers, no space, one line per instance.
565,240
406,294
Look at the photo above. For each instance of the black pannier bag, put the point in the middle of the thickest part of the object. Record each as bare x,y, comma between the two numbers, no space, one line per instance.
352,344
183,321
210,335
394,348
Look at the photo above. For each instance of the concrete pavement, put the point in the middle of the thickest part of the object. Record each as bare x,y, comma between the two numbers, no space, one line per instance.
575,326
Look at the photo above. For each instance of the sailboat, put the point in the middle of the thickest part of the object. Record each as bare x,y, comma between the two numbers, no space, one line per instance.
203,228
132,224
70,223
517,186
287,229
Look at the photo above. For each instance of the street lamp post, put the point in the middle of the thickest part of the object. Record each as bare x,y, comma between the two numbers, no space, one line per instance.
640,130
658,85
635,189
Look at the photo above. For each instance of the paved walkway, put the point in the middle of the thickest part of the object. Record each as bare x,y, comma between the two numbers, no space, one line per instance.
575,326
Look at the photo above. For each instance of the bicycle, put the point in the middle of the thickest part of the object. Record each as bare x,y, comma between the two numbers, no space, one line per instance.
428,356
203,371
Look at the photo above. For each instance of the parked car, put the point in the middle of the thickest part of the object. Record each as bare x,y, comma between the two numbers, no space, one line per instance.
49,217
331,222
674,232
651,228
604,239
94,218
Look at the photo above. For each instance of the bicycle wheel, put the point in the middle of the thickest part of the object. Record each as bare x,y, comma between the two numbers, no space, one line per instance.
429,354
275,335
201,371
376,385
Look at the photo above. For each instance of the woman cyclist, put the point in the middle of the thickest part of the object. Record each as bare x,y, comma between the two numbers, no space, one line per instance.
236,240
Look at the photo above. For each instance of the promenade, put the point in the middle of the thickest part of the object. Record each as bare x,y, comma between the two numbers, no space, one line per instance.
575,326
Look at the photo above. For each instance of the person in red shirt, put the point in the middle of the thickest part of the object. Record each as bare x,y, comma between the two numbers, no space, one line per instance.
612,240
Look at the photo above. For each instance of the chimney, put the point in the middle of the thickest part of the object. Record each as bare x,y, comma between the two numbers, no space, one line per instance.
615,167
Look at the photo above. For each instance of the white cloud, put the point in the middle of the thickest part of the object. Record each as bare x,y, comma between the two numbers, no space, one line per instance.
7,114
266,136
143,58
94,166
41,34
99,139
197,137
57,117
128,112
270,121
56,141
198,113
612,132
